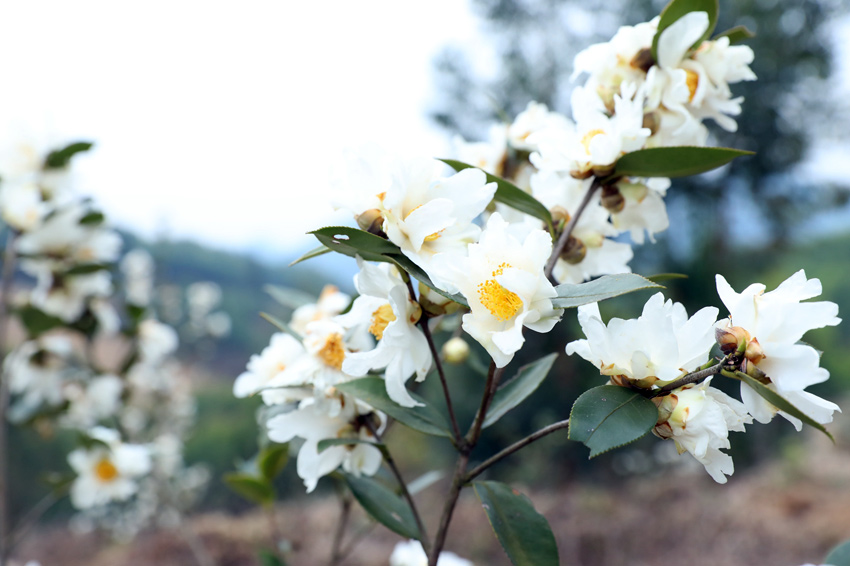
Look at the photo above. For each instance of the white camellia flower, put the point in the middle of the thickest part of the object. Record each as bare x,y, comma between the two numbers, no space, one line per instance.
385,306
99,399
107,473
281,352
489,155
777,320
643,208
21,205
157,340
36,371
138,268
331,302
659,346
411,553
313,423
699,421
535,118
66,296
502,279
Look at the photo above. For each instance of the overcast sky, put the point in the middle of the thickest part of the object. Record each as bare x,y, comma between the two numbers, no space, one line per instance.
219,120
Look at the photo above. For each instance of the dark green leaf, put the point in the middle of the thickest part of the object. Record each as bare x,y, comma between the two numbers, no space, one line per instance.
316,252
609,416
373,391
328,442
522,531
779,401
515,391
280,325
406,264
87,268
253,489
674,161
269,558
659,277
383,505
61,157
92,218
291,298
736,34
678,8
511,195
272,460
38,322
606,287
353,242
839,556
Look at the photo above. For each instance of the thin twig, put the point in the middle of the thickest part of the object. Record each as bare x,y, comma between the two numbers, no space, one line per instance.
494,375
449,507
694,377
565,235
31,518
336,548
5,287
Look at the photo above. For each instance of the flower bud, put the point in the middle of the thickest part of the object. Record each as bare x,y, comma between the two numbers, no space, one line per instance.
371,221
732,339
612,199
456,350
750,368
652,122
754,351
603,170
559,215
643,60
434,303
581,175
574,252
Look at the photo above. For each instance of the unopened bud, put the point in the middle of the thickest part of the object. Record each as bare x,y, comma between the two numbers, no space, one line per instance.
574,252
754,351
652,122
581,175
643,60
751,369
666,404
559,215
612,199
456,350
603,170
434,303
732,339
371,221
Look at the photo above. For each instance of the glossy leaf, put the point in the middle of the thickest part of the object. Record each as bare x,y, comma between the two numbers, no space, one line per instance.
372,390
353,242
272,460
315,252
609,416
254,489
678,8
659,277
419,274
779,401
382,504
328,442
61,157
515,391
92,218
674,161
839,556
606,287
509,194
736,34
524,533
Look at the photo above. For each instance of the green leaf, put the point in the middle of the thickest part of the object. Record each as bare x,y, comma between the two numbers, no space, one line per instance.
316,252
778,401
87,268
272,460
678,8
353,242
92,218
514,392
522,531
406,264
328,442
511,195
253,489
38,322
610,416
659,277
383,505
606,287
674,161
269,558
290,298
61,157
373,391
736,34
280,325
840,555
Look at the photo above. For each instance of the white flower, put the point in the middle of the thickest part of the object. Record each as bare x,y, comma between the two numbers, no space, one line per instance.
700,418
777,320
137,266
331,302
385,307
156,341
65,296
35,370
21,205
411,553
535,118
661,345
313,423
502,279
107,473
643,208
281,352
489,155
100,399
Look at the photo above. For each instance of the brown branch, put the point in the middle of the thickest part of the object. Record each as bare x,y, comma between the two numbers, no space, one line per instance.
565,235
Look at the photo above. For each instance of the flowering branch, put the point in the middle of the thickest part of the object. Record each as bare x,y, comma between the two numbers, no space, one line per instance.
693,377
565,235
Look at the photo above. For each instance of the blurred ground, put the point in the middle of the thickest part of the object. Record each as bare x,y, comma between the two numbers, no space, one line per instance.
782,514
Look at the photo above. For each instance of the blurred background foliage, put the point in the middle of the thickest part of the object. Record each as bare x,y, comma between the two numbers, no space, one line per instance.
748,222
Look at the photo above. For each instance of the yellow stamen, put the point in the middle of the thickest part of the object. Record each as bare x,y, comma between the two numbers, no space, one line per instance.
501,303
431,237
380,319
105,470
585,141
692,80
333,352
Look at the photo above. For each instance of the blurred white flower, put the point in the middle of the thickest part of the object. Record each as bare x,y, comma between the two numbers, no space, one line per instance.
535,118
138,268
411,553
281,352
156,341
36,369
66,296
93,401
21,205
331,302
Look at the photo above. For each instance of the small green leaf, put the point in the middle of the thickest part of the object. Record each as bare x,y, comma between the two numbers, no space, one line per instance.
61,157
736,34
87,268
288,297
678,8
316,252
659,277
383,505
606,287
328,442
515,391
609,416
269,558
674,161
778,401
406,264
272,460
353,242
38,322
279,324
92,218
511,195
373,391
524,533
840,555
253,489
